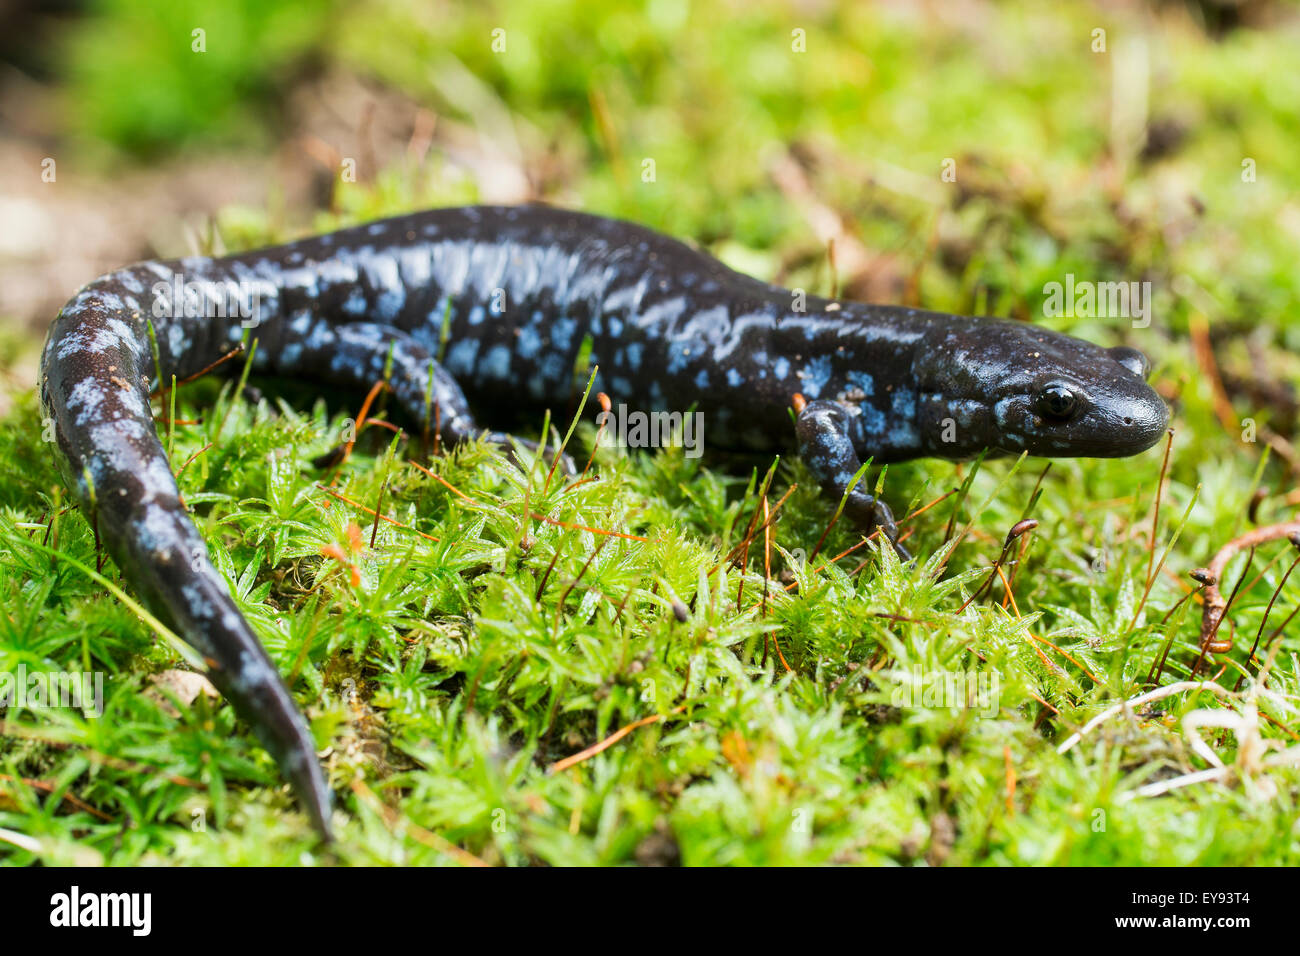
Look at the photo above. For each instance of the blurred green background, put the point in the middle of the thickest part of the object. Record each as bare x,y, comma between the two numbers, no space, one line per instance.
1124,163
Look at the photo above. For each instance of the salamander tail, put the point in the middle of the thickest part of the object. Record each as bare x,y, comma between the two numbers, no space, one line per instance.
95,391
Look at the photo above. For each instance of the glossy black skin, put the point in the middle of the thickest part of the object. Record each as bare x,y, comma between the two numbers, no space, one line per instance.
519,289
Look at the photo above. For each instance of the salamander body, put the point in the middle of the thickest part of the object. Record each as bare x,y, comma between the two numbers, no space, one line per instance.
508,296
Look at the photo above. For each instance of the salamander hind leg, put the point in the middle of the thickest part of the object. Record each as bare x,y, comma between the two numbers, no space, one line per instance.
826,446
358,354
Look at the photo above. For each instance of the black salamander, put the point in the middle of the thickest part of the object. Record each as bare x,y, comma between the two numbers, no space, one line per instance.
518,290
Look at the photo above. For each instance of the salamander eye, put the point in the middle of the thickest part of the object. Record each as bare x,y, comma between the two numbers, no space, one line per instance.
1056,401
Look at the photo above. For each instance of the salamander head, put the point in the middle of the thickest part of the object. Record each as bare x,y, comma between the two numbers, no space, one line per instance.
1013,387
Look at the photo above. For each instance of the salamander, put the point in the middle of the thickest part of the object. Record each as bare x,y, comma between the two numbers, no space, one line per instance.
507,296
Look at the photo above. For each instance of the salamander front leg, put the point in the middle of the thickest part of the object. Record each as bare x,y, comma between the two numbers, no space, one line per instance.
826,446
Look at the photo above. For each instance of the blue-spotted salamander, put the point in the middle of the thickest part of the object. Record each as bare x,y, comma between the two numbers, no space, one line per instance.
519,289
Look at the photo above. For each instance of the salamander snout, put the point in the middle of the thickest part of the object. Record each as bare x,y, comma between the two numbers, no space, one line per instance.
1102,408
1066,398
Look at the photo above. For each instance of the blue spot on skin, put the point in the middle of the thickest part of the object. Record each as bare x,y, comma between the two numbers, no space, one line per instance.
554,368
702,380
634,352
496,364
873,421
734,378
131,282
904,405
461,356
862,381
615,326
562,334
476,315
321,337
356,303
390,303
781,367
528,343
679,356
815,376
